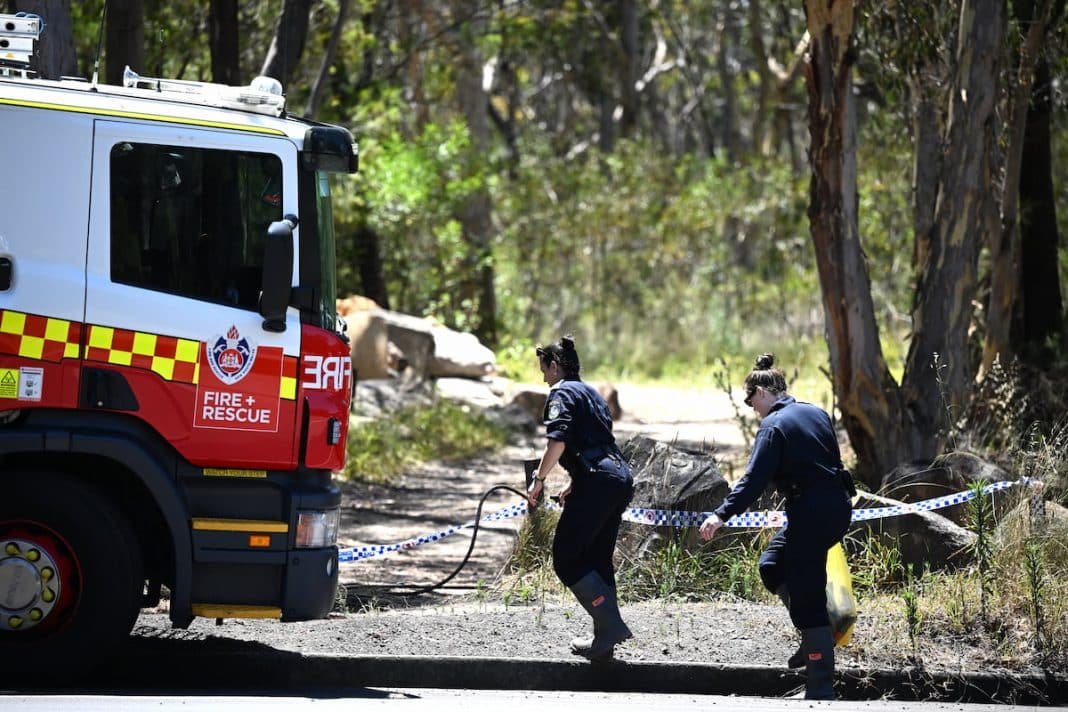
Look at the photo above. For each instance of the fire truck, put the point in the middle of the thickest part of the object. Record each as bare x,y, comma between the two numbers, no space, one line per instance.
174,379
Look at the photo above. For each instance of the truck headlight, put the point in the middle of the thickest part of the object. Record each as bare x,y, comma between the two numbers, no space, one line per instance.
316,529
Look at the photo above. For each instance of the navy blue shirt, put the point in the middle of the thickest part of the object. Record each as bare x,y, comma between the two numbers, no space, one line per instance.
795,445
577,415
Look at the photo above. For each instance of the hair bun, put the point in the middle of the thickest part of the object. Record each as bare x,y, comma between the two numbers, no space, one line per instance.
568,342
765,361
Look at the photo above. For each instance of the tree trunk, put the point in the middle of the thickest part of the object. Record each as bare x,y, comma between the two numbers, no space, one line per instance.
124,39
368,256
926,169
764,74
630,47
315,97
866,392
223,34
56,56
475,212
940,364
728,119
1041,315
1004,249
287,47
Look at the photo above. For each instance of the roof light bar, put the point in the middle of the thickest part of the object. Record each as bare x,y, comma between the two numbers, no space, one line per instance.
263,95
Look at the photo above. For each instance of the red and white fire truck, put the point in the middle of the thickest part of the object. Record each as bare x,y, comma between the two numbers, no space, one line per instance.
174,384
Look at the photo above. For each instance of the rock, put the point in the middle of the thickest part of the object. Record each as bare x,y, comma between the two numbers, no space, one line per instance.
515,419
377,397
948,474
668,477
611,396
412,335
369,341
922,538
467,390
460,354
530,399
435,351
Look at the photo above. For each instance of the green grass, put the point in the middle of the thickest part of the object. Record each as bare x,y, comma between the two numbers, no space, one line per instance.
381,449
672,569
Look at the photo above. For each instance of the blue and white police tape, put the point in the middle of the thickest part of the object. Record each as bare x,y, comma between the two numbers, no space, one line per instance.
674,518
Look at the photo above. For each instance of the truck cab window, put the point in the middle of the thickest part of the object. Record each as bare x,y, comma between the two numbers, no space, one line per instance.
192,221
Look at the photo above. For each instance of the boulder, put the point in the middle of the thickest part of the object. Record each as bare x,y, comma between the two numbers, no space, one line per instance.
369,341
412,335
948,474
377,397
529,398
922,538
458,354
431,350
669,477
470,391
611,397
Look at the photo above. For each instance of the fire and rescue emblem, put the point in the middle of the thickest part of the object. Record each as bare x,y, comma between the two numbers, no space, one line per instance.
230,357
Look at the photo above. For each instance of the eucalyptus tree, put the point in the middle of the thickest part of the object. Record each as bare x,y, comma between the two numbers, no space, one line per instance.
223,42
124,38
287,47
890,423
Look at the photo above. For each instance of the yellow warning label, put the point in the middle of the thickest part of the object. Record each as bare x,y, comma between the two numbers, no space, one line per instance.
213,472
9,383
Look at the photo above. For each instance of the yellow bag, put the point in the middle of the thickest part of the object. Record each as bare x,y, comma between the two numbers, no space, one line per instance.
841,604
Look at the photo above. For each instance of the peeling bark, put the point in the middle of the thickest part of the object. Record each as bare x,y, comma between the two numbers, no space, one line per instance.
865,389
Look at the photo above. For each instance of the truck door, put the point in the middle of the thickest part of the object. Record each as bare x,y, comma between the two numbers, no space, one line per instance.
178,221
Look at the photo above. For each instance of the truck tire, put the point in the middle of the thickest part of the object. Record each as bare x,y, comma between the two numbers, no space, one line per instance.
71,580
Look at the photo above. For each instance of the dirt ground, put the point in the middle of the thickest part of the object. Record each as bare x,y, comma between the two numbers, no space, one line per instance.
471,616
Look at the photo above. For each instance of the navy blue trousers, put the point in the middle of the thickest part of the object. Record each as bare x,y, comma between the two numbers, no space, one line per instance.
797,554
585,538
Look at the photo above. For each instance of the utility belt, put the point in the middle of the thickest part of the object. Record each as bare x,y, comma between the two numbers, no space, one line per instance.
591,457
843,480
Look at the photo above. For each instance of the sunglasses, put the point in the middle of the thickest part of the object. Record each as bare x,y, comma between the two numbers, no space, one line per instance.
749,396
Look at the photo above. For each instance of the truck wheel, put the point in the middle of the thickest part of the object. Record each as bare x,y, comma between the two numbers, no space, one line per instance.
71,577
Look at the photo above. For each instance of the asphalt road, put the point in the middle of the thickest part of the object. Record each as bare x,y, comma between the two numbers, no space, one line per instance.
448,700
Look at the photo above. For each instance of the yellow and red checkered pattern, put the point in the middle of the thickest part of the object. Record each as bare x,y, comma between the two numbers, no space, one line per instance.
173,359
288,388
41,338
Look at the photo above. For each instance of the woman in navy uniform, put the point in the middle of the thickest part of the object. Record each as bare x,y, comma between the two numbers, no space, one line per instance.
579,431
796,451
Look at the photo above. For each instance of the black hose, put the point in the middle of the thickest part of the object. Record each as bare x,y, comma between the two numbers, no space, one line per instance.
417,590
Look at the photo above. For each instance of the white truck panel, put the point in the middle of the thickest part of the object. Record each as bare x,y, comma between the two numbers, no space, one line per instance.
140,309
44,209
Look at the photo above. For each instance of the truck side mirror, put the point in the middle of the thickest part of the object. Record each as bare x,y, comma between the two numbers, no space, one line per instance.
277,273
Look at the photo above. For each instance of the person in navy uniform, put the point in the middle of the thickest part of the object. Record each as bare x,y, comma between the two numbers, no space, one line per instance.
578,428
796,451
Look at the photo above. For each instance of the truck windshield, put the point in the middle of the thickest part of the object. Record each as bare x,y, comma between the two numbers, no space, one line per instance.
327,247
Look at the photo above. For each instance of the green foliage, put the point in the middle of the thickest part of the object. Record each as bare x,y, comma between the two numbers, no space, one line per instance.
674,570
1036,586
913,617
378,450
875,562
981,523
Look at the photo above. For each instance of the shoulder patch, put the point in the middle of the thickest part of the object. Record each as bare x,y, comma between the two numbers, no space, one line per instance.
555,409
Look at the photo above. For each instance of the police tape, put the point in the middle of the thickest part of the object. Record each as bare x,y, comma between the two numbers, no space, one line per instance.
674,518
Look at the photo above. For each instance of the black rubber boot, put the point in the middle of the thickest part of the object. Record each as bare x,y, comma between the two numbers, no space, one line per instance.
796,660
580,645
599,600
818,644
